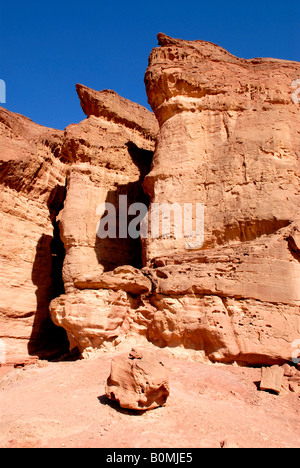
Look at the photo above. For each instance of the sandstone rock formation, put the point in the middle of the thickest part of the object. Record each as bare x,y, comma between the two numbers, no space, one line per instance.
44,171
111,153
271,379
124,278
227,140
138,381
32,176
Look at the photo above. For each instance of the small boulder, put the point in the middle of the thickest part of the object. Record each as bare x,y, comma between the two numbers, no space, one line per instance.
271,378
289,371
125,278
138,381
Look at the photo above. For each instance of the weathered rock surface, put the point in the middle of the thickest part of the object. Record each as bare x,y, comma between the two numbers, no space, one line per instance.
227,139
138,381
109,105
92,318
236,302
271,378
124,278
52,185
111,152
32,177
111,156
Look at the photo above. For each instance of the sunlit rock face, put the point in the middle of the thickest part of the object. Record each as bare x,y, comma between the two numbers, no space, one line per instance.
32,177
229,139
223,135
52,185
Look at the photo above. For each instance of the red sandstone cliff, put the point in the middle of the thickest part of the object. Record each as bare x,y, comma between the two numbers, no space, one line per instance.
227,138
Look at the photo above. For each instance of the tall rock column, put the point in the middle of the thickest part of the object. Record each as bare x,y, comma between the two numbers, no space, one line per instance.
229,139
111,152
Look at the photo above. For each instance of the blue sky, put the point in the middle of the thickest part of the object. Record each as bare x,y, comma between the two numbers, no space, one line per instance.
48,47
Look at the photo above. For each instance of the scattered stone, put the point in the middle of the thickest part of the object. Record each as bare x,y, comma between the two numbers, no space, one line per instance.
289,371
138,381
271,378
26,361
293,387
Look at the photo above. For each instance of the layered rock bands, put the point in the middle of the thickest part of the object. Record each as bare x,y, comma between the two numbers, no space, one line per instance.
224,135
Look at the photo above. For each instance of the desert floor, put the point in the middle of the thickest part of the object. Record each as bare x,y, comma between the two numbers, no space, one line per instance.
63,405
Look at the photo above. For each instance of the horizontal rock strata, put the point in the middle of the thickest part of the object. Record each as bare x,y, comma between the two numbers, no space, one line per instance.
224,135
32,177
52,185
138,381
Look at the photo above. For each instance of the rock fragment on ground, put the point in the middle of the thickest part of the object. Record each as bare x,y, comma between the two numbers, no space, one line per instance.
138,381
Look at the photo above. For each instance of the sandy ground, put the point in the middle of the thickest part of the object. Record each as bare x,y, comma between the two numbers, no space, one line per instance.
63,405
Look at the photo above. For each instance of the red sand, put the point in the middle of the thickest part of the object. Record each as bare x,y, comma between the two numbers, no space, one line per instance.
51,405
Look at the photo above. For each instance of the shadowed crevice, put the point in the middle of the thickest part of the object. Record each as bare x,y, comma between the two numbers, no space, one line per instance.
47,341
115,252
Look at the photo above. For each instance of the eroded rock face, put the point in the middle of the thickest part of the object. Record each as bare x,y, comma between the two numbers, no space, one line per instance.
124,278
227,139
109,105
93,318
32,177
111,152
138,381
52,185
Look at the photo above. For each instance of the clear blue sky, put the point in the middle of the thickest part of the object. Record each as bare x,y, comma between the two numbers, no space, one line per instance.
48,47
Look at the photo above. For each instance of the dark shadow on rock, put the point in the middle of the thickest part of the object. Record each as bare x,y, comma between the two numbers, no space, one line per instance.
47,341
294,250
105,401
70,356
